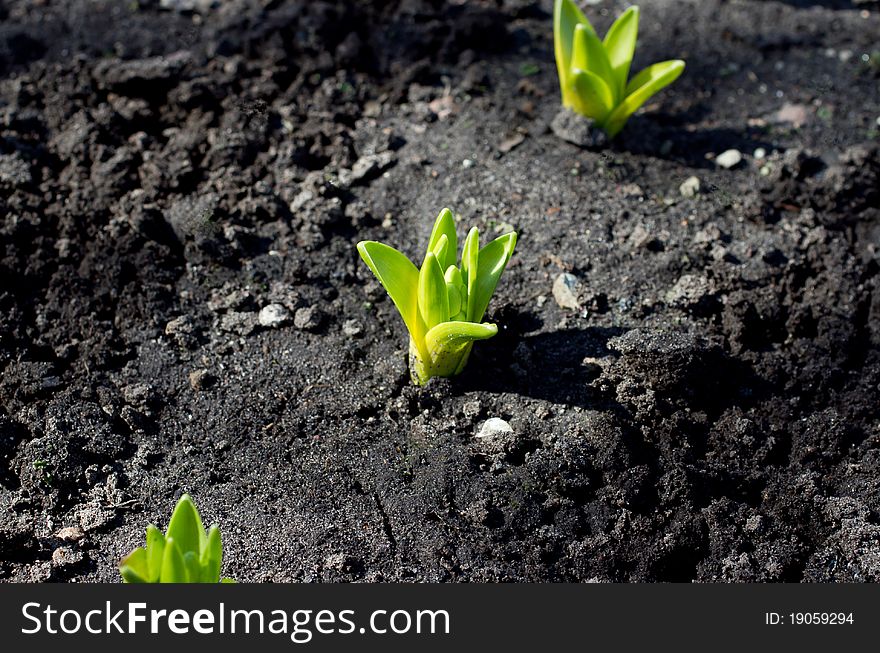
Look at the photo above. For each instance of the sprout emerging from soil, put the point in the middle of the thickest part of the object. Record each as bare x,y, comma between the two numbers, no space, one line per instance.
185,554
441,303
593,74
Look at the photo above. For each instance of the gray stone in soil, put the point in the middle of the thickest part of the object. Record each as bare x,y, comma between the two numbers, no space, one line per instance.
578,130
273,316
65,556
70,534
308,318
689,291
565,291
242,323
352,328
366,168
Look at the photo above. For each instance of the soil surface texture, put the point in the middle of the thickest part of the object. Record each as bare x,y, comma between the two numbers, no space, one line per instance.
688,356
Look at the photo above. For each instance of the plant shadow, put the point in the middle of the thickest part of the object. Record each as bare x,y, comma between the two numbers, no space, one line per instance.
670,141
554,366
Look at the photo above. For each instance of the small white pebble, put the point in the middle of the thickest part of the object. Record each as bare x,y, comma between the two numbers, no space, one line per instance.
690,187
273,315
729,159
494,427
352,328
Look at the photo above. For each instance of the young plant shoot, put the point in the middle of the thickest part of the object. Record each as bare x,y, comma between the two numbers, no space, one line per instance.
441,303
185,554
593,74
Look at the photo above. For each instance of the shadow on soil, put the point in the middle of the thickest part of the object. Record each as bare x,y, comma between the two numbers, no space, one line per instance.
551,366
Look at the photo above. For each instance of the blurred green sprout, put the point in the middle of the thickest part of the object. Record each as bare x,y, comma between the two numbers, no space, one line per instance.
593,74
184,554
442,303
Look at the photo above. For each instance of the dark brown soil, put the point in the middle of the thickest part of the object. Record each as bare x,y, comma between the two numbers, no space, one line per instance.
709,412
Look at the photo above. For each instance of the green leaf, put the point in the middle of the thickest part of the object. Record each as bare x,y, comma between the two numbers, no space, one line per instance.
640,89
441,248
620,45
451,341
173,566
212,556
129,575
566,16
399,277
134,567
589,55
193,569
186,527
492,260
457,294
452,334
592,97
653,74
444,225
227,581
455,300
433,298
155,551
470,258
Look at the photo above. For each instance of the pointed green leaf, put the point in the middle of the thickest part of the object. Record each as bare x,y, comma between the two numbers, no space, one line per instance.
457,293
455,298
453,275
492,260
643,86
655,73
444,225
227,581
433,298
620,45
469,258
566,16
589,54
212,556
399,277
592,97
173,566
440,249
155,551
186,526
134,567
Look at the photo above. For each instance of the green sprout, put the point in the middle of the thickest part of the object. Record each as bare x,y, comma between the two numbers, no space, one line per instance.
442,304
185,554
593,74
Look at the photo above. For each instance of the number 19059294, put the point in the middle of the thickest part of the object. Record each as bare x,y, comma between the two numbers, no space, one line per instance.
809,618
